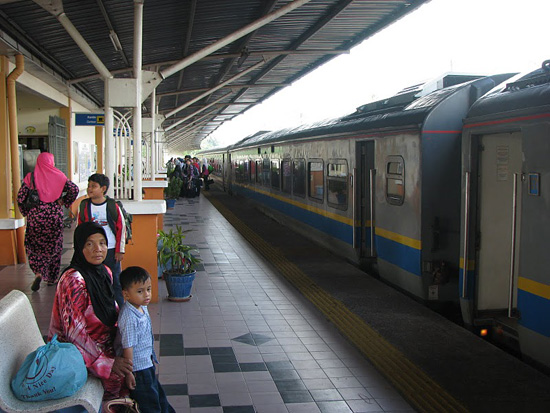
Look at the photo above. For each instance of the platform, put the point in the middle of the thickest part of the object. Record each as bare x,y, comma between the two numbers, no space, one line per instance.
248,341
277,324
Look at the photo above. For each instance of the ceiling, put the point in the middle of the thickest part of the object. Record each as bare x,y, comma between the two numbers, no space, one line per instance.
214,89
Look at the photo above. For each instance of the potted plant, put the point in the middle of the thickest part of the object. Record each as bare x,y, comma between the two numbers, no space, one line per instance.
178,262
172,191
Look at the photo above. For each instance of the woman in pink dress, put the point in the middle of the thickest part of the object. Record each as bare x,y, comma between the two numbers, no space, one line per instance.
85,312
44,233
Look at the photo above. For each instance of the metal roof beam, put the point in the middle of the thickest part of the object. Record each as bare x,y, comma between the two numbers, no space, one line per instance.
237,76
232,87
322,22
173,125
195,57
267,53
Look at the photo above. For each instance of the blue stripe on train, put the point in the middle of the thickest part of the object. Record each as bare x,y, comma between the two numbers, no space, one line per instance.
327,225
399,254
395,253
534,312
470,283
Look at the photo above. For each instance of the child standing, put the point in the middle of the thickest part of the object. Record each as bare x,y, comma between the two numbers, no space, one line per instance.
136,334
105,211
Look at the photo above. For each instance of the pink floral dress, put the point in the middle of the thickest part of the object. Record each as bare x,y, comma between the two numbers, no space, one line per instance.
44,233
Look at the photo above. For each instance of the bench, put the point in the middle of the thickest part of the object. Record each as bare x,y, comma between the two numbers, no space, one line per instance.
19,336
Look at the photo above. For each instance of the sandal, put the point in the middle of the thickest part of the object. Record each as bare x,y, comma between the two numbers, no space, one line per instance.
36,284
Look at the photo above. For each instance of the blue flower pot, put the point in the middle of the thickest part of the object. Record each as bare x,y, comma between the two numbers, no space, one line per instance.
179,286
170,203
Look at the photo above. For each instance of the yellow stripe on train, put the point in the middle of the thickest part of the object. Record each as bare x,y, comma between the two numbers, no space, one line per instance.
402,239
534,287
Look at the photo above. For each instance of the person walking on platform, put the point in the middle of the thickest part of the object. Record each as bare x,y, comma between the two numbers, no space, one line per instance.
105,211
195,162
204,174
44,233
190,176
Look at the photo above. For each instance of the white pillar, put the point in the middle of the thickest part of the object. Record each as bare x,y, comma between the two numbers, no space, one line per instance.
138,42
110,161
153,134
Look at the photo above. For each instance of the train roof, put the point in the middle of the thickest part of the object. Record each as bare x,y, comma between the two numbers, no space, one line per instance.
408,107
522,92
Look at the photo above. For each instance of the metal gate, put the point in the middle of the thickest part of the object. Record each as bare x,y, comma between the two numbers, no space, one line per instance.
57,143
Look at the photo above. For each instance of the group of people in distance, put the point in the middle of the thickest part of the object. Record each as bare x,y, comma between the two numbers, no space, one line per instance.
193,173
98,308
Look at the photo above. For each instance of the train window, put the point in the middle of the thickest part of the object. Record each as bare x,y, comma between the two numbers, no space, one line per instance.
395,168
316,180
395,180
259,172
275,174
266,164
246,171
286,184
299,177
239,172
253,176
337,184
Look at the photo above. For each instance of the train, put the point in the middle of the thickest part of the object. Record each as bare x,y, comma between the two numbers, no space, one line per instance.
446,175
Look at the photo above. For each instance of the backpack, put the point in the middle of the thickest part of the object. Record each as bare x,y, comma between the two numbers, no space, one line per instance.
128,218
111,212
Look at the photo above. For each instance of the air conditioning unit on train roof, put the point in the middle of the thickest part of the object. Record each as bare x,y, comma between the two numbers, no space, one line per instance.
409,94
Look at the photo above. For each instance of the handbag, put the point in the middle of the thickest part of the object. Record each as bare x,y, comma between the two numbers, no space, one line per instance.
53,371
33,198
121,405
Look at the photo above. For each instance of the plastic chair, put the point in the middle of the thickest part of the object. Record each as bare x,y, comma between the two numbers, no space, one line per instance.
19,336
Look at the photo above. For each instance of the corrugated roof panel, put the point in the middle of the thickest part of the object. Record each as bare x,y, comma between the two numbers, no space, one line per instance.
173,29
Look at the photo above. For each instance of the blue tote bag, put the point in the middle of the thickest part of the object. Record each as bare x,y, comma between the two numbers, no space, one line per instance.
52,371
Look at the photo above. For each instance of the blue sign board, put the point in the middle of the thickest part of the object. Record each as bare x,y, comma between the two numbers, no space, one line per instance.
89,119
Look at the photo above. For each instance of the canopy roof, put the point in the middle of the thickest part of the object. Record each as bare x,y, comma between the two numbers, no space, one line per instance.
268,58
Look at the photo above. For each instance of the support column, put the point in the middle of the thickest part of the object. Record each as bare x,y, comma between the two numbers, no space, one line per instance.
66,114
100,148
8,225
138,43
142,250
110,161
14,153
153,134
6,202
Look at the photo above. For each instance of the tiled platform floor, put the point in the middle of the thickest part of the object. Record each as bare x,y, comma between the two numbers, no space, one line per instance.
247,341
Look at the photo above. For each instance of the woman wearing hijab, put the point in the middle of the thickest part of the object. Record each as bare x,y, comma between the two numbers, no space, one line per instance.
44,233
85,312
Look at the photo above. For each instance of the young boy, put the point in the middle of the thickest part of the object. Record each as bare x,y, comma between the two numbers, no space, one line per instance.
136,333
100,208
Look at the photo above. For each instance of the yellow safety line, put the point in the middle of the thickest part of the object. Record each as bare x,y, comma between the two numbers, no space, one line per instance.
416,386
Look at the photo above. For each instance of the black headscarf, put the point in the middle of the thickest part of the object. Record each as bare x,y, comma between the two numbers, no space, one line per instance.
98,281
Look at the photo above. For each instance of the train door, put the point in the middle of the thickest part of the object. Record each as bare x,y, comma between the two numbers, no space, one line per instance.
226,170
365,200
499,212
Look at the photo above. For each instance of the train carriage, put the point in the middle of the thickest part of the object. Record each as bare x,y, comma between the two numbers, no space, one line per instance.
505,221
378,186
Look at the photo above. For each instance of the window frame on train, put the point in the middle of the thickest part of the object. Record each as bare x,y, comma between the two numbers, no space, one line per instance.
266,170
299,190
275,174
314,195
258,178
286,176
395,178
337,183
